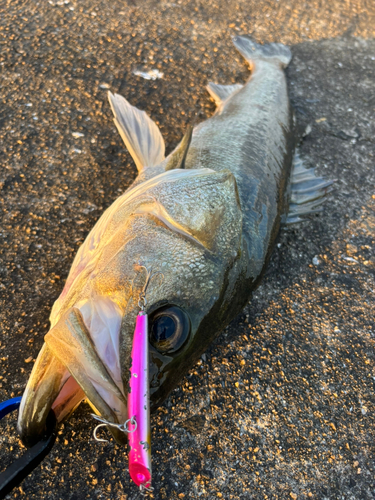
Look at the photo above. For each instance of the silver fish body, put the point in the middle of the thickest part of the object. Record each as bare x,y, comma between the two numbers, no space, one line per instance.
252,135
205,218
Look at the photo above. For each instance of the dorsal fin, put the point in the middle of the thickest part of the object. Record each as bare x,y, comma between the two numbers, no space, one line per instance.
140,134
220,93
178,156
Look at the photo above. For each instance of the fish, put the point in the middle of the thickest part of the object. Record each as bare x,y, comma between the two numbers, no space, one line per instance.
204,219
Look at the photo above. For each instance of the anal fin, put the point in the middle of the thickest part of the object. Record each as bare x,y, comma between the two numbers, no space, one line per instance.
307,191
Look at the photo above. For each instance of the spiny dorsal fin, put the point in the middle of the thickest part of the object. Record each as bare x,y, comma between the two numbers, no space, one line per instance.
221,92
140,134
178,156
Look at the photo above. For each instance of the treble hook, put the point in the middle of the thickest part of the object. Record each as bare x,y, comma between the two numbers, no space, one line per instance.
122,427
145,490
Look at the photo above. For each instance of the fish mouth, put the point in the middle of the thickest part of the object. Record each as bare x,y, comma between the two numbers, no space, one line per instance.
49,383
68,370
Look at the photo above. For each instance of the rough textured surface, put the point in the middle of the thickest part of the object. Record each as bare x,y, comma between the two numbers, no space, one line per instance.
282,405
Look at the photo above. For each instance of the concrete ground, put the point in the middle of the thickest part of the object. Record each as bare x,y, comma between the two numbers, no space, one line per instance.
282,404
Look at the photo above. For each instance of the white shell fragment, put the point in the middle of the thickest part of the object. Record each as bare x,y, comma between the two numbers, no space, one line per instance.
151,74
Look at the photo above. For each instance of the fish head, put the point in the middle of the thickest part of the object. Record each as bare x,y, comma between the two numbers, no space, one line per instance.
181,231
188,238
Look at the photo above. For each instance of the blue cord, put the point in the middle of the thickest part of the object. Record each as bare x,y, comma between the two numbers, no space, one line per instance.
9,406
24,465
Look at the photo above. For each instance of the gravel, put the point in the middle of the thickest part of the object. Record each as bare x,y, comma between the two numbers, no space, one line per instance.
281,405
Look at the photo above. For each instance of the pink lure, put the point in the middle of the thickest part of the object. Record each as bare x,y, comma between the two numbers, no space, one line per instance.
139,407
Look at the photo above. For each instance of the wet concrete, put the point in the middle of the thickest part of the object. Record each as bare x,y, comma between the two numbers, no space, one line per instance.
282,405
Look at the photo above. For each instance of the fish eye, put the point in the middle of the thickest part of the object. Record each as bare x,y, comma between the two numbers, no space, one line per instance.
169,329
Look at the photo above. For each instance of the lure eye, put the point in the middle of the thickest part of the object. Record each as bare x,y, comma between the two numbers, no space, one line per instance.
169,329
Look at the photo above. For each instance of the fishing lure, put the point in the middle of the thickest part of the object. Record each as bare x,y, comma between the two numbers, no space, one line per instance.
139,407
138,425
139,398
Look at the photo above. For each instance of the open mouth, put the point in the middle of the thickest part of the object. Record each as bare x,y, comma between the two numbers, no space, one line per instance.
70,369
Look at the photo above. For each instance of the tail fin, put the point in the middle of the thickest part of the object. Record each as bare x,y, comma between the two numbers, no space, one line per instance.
252,51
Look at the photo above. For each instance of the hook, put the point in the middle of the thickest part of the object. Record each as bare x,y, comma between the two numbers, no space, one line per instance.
145,490
96,437
122,427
